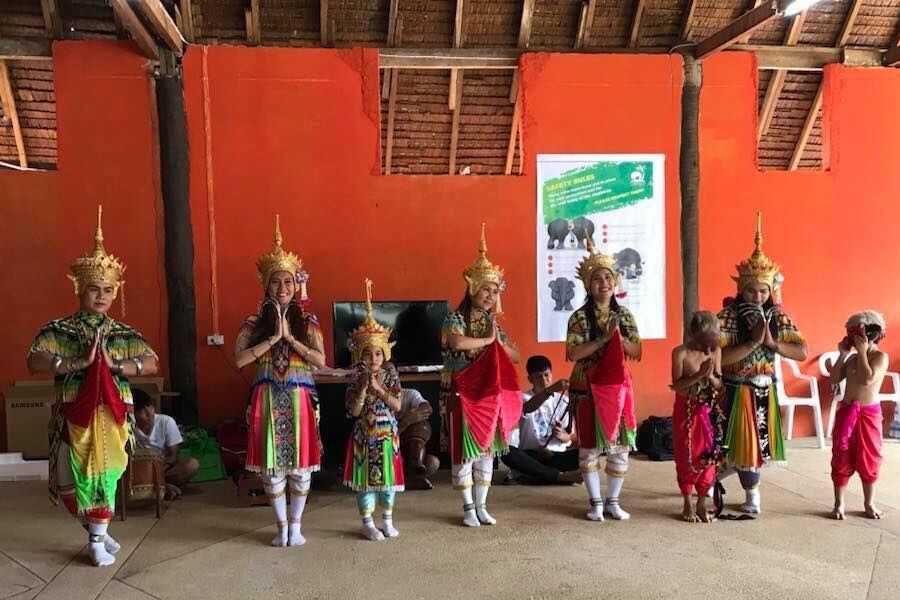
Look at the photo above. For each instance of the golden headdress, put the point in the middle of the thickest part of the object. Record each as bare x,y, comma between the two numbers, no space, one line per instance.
593,261
759,268
98,266
281,260
483,271
370,332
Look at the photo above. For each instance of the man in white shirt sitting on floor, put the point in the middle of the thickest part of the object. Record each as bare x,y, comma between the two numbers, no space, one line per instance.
160,433
543,450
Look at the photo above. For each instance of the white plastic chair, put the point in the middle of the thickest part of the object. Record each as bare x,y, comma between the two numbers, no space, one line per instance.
825,363
791,402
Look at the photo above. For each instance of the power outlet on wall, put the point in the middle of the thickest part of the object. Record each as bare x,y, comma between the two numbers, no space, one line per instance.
215,340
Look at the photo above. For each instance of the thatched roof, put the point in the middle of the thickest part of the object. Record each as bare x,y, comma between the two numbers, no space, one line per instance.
422,139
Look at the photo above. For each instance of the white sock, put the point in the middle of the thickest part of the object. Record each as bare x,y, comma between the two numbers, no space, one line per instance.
278,500
369,531
470,518
613,488
298,501
387,518
96,538
592,485
111,545
752,503
483,472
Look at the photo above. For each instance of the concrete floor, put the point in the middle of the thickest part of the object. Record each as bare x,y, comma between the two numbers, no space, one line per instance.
207,547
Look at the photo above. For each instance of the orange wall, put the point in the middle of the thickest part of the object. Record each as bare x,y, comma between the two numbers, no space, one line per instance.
296,132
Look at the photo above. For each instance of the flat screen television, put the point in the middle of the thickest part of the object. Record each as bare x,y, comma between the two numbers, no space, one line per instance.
416,324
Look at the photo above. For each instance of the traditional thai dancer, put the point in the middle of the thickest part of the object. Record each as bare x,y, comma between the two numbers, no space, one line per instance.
753,330
374,466
285,342
601,336
91,356
698,424
856,437
480,397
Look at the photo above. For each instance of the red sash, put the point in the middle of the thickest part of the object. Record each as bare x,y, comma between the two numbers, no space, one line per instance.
611,389
97,389
489,395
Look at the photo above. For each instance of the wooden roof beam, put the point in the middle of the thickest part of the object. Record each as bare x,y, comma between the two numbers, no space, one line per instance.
636,23
395,26
513,136
524,40
455,77
454,127
806,131
739,28
8,101
585,22
134,26
849,21
187,20
323,24
393,79
52,18
776,82
688,20
251,23
164,26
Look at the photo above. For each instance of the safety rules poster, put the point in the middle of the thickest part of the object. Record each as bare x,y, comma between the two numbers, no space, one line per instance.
617,200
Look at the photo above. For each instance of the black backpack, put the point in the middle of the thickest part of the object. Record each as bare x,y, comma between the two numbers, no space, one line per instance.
654,438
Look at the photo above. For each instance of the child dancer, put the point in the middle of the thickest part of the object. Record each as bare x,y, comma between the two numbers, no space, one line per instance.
374,467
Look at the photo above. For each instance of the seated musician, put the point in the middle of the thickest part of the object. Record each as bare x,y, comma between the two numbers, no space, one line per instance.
543,450
415,431
160,433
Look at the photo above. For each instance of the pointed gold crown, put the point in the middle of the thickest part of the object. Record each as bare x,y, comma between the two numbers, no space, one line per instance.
593,261
370,332
483,271
98,266
280,260
759,268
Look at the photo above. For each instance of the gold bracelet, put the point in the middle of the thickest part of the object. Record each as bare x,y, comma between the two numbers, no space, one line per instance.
253,353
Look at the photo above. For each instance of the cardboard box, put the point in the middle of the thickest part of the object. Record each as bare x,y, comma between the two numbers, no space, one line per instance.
28,405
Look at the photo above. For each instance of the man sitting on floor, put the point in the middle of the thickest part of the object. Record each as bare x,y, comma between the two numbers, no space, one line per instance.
160,433
540,451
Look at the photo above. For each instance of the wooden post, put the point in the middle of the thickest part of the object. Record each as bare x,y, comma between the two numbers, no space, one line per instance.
179,245
689,171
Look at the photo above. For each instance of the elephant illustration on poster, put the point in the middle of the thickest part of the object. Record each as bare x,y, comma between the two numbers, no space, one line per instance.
576,231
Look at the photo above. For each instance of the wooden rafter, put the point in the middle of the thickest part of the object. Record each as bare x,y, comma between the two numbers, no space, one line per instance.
454,127
324,23
455,77
813,114
688,19
52,18
776,82
522,44
513,135
636,23
163,25
391,116
187,20
8,101
744,25
746,38
585,22
391,39
789,58
811,117
251,23
134,26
